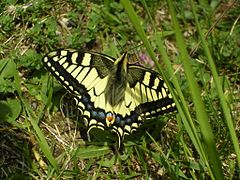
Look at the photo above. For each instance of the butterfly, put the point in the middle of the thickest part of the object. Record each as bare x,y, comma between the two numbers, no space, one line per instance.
110,93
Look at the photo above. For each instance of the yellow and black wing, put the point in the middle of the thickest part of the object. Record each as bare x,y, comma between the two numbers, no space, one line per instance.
110,93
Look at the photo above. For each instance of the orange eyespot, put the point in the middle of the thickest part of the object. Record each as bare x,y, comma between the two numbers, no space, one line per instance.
110,118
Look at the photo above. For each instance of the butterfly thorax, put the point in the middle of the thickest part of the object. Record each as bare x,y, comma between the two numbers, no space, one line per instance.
117,82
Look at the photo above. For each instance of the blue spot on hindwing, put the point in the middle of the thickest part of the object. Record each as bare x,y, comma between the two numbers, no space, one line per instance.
85,100
128,120
118,120
101,115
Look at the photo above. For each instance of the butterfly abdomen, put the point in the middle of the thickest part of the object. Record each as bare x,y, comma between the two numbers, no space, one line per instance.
117,82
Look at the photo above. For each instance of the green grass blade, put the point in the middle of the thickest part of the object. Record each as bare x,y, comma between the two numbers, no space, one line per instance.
182,104
32,118
225,107
202,117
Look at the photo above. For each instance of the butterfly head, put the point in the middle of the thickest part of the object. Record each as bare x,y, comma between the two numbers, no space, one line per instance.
121,64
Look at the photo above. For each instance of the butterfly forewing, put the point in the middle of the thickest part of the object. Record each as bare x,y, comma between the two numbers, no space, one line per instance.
86,75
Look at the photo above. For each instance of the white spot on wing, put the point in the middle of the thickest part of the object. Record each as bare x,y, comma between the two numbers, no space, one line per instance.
170,95
156,83
87,113
134,125
74,57
64,53
101,125
45,59
127,128
146,79
66,83
53,68
71,68
86,59
81,104
120,131
70,87
49,64
164,94
60,61
165,85
61,77
65,65
55,59
92,122
76,92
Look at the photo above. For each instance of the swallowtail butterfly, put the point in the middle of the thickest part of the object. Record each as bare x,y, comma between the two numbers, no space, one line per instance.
110,93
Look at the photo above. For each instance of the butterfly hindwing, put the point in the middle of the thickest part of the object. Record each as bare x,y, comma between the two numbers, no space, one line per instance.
150,92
